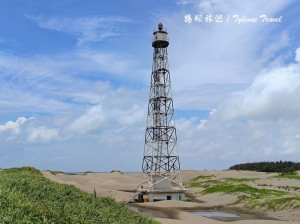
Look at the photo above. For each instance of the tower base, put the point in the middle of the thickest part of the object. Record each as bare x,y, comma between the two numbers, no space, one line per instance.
161,189
152,195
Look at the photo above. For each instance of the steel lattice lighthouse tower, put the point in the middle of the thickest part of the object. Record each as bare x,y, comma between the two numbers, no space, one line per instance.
161,164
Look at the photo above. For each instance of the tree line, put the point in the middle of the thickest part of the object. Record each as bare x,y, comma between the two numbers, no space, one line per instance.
279,166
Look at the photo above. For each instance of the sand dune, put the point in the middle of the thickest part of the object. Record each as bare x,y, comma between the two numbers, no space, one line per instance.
120,186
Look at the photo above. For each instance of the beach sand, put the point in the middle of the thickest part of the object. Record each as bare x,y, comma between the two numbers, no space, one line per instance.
121,187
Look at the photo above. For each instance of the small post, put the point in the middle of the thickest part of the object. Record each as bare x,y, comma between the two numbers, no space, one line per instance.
95,194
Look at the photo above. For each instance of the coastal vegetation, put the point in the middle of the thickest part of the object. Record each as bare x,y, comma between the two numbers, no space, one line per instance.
249,194
26,196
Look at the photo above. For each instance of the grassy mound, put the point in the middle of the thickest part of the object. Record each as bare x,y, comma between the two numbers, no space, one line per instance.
27,197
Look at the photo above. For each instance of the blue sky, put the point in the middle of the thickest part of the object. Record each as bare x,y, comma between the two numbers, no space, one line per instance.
75,76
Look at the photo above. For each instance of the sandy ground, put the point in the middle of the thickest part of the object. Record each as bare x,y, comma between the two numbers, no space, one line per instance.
120,186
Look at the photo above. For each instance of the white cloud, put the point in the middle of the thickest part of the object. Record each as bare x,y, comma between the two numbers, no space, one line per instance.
226,53
204,97
258,134
32,83
273,95
55,84
269,52
27,130
260,123
42,134
15,127
113,63
93,119
184,2
120,108
220,144
85,29
202,124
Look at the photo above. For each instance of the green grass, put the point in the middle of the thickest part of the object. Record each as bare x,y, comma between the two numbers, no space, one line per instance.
116,171
243,188
281,203
250,197
201,181
56,172
292,175
240,180
87,172
274,204
188,200
202,177
205,184
27,197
